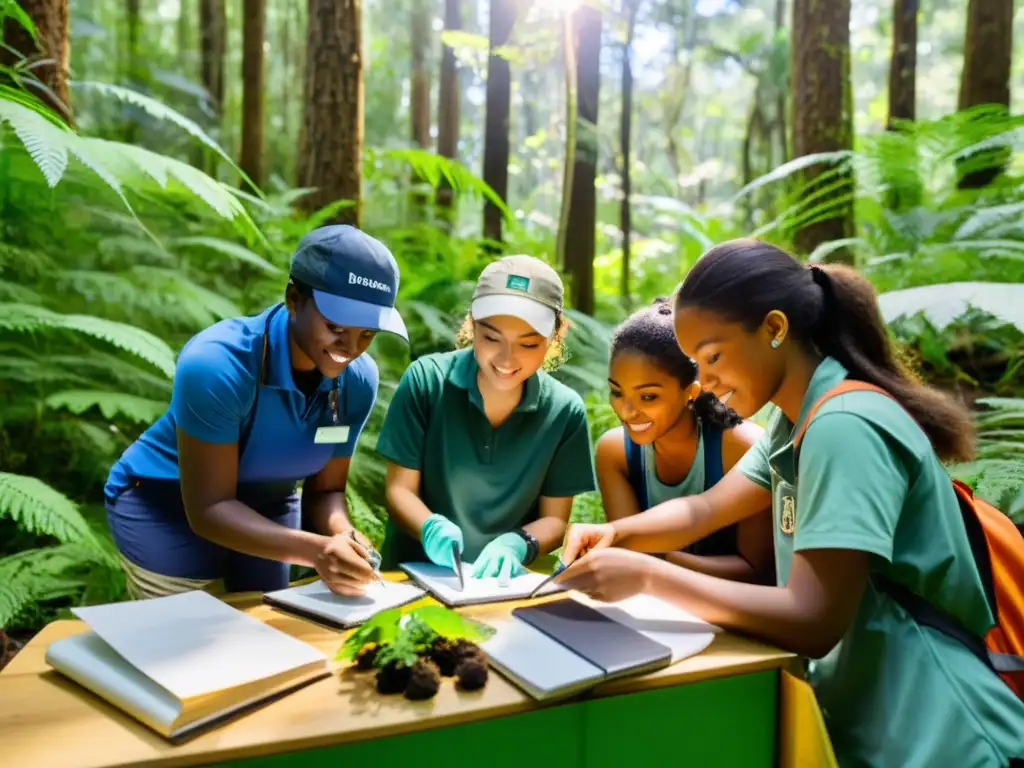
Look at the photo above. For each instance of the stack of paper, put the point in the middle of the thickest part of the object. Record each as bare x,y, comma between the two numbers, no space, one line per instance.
548,657
183,662
443,584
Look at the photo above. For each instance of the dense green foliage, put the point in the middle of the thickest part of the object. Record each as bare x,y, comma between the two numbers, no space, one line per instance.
113,255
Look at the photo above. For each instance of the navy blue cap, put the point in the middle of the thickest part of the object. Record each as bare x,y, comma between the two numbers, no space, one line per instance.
354,278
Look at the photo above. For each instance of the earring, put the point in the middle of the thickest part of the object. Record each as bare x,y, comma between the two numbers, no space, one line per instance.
776,343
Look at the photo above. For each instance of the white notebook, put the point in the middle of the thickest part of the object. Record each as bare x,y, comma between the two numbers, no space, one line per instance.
315,601
183,662
443,584
547,669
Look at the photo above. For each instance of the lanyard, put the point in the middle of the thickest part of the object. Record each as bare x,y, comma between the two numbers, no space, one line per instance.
333,397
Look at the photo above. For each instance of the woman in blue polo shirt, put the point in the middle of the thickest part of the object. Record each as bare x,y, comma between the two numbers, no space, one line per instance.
675,440
206,497
486,451
865,516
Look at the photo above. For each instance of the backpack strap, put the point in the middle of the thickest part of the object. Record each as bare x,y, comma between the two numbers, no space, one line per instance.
847,385
635,464
921,610
711,434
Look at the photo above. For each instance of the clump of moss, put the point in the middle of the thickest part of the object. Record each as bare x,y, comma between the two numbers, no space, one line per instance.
424,680
393,677
471,673
464,649
366,657
443,654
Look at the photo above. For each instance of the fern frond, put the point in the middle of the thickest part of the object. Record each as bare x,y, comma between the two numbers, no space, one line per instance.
41,509
14,599
19,293
45,141
108,368
227,248
160,111
111,404
28,318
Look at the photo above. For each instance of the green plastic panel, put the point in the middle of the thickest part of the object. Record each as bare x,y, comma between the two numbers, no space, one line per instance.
725,722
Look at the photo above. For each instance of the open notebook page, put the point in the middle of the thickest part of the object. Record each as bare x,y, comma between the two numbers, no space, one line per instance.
444,584
192,643
317,598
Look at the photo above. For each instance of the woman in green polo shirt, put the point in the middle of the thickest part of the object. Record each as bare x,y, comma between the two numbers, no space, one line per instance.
873,507
486,451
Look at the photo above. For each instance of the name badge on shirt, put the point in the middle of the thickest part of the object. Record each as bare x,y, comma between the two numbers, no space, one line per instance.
332,435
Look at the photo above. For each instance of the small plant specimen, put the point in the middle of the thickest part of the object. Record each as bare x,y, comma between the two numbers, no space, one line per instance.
412,651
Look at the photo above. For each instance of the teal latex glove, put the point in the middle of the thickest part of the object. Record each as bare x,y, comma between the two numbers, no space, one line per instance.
502,557
437,535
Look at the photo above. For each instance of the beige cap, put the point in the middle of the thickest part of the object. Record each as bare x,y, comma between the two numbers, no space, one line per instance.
520,286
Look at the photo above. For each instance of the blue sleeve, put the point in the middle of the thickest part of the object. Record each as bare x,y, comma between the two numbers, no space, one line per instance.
212,393
364,378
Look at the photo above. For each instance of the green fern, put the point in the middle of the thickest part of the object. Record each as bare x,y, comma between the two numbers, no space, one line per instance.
27,318
159,111
38,508
997,474
110,404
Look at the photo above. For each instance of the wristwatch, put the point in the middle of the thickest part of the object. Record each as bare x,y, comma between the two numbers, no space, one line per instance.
532,545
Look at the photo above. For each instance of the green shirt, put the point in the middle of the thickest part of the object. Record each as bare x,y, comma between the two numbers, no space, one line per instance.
893,693
485,480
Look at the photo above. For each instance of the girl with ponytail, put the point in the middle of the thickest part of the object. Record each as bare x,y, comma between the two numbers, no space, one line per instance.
866,522
675,440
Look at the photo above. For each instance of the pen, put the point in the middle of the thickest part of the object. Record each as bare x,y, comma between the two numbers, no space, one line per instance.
372,557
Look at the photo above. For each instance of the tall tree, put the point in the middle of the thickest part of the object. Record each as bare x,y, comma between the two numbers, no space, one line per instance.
903,66
823,115
213,31
254,79
581,224
449,99
985,78
50,18
213,42
630,8
496,128
331,144
419,78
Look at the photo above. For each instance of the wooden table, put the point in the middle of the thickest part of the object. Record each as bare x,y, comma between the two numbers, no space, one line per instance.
719,708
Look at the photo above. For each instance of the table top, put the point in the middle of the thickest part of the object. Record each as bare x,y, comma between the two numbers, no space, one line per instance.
48,720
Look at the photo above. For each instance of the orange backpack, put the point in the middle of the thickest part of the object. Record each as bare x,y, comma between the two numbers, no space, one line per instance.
998,548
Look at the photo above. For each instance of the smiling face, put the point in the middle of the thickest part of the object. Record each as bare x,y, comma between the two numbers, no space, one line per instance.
648,400
321,344
508,351
738,366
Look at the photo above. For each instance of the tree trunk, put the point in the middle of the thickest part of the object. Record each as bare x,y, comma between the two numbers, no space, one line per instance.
496,129
51,20
331,145
419,79
449,100
582,220
985,78
822,111
625,131
254,79
903,69
780,98
212,47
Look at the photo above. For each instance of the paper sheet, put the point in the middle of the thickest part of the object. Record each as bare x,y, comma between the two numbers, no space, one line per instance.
192,643
318,599
444,584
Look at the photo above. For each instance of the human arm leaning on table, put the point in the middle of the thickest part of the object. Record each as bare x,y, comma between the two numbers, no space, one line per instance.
402,442
212,394
847,513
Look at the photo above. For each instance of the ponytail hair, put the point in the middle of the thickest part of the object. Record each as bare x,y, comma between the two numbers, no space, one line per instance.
832,309
651,333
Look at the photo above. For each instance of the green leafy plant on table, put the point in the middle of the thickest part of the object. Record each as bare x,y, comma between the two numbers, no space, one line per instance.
413,650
